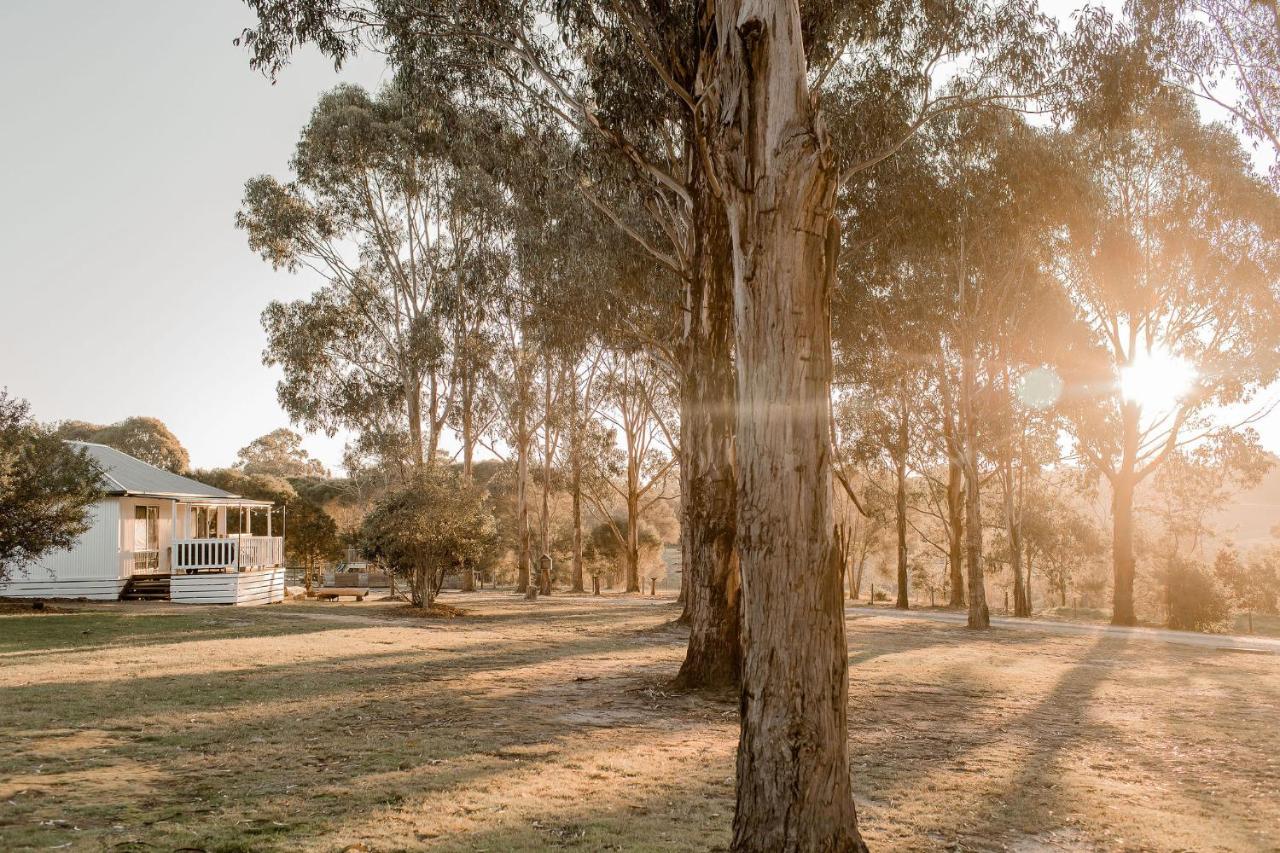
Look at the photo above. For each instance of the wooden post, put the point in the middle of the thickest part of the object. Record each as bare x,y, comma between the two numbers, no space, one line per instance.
173,534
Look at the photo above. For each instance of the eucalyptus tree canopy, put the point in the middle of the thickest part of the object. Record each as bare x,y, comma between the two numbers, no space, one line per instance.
47,489
387,207
1226,52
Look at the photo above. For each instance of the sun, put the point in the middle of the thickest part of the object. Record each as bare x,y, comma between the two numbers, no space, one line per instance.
1156,380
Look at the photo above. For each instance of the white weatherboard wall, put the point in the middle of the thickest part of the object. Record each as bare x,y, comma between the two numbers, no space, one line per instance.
91,569
263,587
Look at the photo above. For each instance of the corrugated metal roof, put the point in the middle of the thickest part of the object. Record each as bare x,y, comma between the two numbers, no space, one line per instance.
126,475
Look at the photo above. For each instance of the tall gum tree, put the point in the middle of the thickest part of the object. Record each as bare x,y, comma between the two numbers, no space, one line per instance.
1174,265
778,181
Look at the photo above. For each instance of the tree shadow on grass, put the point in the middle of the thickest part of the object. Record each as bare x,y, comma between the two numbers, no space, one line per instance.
1032,803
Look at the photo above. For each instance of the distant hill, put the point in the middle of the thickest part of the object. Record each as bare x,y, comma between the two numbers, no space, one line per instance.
1249,518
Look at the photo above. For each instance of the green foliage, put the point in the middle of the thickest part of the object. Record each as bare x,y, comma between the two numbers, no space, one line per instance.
143,438
388,205
311,537
259,487
430,528
1061,538
1193,276
46,489
279,453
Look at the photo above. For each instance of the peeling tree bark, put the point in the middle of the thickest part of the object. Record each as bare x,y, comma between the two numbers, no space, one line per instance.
778,182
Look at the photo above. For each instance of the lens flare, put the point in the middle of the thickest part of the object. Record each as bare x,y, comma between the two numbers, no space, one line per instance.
1039,388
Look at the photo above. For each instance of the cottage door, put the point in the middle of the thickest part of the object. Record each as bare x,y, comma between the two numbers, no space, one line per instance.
146,540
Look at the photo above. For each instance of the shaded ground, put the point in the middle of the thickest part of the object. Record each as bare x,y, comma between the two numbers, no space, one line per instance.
521,727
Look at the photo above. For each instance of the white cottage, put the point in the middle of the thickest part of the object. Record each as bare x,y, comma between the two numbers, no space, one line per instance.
159,535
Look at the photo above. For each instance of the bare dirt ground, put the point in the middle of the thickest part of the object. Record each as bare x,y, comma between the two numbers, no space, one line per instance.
525,727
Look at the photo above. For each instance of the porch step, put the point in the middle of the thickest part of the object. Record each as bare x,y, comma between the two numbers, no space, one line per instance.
146,588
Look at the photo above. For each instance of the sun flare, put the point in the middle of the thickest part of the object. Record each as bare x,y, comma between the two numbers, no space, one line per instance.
1156,380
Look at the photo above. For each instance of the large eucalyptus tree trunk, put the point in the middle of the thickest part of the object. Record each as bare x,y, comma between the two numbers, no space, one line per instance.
778,182
707,396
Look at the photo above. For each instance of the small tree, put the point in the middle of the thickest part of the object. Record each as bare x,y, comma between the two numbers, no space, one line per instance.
311,538
1252,585
46,489
429,528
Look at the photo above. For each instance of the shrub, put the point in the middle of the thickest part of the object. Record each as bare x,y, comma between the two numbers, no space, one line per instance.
1193,599
433,526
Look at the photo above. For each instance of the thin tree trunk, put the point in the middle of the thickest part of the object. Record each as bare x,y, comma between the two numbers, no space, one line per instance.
522,498
955,514
900,496
777,174
1123,485
1027,587
714,655
544,559
979,614
413,410
633,538
1014,531
468,466
577,579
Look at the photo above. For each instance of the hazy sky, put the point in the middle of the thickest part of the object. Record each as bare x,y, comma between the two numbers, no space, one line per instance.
129,129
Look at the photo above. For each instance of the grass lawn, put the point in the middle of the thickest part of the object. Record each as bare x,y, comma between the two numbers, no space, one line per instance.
523,727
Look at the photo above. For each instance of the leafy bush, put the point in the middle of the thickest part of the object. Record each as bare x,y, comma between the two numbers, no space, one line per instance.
1193,599
430,528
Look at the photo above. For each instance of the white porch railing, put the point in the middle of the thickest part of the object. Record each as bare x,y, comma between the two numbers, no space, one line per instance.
235,552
